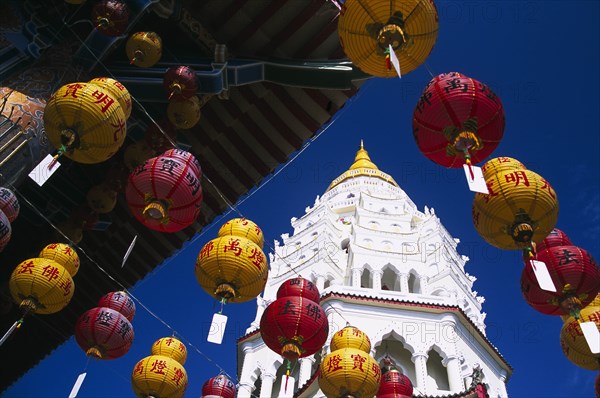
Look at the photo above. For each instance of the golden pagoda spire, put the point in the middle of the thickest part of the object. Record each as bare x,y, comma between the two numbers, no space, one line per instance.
362,166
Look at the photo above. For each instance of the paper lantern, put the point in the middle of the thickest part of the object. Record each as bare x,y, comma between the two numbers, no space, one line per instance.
180,82
575,275
104,333
556,237
119,301
349,372
231,268
9,204
63,254
574,343
136,154
144,49
184,113
521,207
294,325
367,29
393,383
218,386
110,17
170,347
41,286
101,198
457,120
501,164
159,376
85,122
117,90
186,157
5,230
299,287
72,229
244,228
352,337
164,193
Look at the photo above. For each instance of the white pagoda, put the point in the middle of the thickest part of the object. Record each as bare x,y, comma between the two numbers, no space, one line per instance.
392,271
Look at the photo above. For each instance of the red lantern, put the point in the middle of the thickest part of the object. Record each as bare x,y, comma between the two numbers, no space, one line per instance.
219,386
299,287
457,118
186,157
5,230
104,333
294,326
156,139
556,237
576,277
394,384
164,193
110,17
180,82
9,204
119,301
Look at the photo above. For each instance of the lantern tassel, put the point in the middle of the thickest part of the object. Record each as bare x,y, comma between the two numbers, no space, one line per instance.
468,162
287,374
388,61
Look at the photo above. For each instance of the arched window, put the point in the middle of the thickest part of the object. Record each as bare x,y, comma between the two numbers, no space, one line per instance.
366,280
414,286
437,374
393,346
390,280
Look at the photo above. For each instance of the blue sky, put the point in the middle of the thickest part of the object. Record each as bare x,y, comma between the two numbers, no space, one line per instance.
542,59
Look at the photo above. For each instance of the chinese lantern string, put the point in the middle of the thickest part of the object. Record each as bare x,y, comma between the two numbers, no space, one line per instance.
119,284
428,68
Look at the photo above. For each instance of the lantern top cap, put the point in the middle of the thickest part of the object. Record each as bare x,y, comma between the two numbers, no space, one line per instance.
362,166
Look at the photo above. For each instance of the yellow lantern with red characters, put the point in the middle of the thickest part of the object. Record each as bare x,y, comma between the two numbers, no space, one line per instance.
85,122
63,254
501,164
573,342
520,208
41,286
184,113
349,370
144,49
232,268
117,90
170,347
244,228
159,376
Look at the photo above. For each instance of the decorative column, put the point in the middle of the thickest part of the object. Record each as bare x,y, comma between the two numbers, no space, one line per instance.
356,274
246,385
424,284
260,308
376,275
420,361
266,388
306,365
404,283
502,388
244,390
454,379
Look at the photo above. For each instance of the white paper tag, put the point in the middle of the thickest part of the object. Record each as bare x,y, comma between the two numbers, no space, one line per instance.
217,329
77,385
128,252
592,336
395,61
289,391
477,182
542,275
43,171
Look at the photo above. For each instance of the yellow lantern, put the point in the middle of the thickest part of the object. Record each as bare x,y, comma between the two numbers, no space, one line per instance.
244,228
170,347
232,268
574,343
85,122
160,377
117,90
41,285
144,49
350,337
348,370
136,154
501,164
184,113
367,29
101,199
72,229
521,207
63,254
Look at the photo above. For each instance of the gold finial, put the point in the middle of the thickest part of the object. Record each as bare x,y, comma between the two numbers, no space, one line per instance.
362,159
